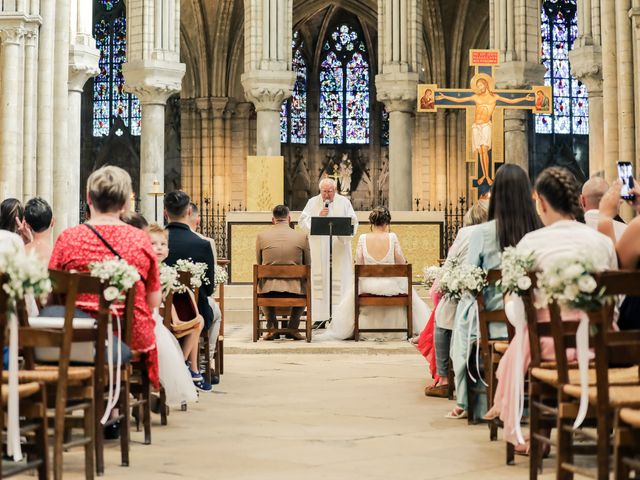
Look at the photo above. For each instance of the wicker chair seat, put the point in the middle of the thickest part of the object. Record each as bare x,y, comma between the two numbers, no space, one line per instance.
617,376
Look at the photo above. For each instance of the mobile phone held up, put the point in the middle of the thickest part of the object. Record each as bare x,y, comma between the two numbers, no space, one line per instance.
625,173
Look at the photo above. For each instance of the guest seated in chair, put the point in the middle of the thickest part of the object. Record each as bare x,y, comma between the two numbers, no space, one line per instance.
281,245
380,247
186,245
38,218
105,236
194,222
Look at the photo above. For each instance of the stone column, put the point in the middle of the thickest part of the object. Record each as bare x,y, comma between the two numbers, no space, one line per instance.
228,117
624,57
62,171
10,39
267,91
441,157
153,72
206,164
452,155
45,101
187,151
398,93
609,88
217,179
153,101
634,14
585,65
30,105
83,64
268,79
243,113
516,34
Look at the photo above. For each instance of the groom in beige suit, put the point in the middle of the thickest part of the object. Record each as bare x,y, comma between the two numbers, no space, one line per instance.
281,245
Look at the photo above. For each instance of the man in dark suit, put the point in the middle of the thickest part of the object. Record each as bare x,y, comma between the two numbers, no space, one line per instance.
186,245
281,245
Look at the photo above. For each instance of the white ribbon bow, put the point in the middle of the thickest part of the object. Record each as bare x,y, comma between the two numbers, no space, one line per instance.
582,352
477,324
114,389
13,407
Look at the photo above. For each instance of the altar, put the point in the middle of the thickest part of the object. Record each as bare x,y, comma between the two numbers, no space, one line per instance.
420,235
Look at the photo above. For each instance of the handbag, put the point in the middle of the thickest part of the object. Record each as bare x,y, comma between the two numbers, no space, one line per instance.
184,314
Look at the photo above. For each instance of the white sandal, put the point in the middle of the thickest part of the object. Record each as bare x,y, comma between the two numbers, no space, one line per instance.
453,414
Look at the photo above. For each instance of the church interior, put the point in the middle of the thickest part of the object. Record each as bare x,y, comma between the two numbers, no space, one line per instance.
413,106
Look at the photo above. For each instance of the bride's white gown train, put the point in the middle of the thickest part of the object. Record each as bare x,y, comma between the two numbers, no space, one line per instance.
343,323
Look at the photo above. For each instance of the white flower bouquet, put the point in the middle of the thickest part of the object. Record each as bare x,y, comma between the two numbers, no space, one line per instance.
198,271
221,275
462,278
118,274
431,275
570,283
446,275
26,276
168,278
515,267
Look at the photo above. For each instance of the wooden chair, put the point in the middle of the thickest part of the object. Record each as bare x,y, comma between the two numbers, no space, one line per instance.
491,351
138,375
627,443
165,313
611,388
301,272
543,408
219,355
33,410
69,389
366,299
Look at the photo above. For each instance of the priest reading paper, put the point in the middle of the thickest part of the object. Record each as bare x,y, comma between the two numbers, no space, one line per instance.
328,204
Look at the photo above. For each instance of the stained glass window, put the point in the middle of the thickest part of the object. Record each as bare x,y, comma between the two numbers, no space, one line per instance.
110,101
293,114
344,88
570,99
384,127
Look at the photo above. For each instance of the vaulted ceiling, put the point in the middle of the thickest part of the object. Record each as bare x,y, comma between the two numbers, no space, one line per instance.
212,35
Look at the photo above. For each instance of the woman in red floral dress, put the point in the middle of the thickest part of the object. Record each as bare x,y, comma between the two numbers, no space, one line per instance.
108,194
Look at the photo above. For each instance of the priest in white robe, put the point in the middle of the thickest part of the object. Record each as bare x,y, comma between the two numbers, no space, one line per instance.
328,204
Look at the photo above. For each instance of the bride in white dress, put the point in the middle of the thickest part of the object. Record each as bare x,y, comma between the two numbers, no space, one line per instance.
380,247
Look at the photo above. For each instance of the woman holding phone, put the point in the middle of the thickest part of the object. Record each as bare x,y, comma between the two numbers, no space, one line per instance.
627,248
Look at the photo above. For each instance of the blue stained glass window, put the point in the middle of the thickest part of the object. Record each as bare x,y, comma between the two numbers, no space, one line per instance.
344,88
559,29
293,113
110,101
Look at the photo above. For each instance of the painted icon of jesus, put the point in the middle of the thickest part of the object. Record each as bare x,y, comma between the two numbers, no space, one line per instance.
485,99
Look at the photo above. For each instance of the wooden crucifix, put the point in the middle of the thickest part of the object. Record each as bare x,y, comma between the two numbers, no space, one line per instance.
485,108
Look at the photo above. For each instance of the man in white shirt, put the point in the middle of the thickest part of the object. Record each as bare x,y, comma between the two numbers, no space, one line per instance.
592,191
194,221
328,203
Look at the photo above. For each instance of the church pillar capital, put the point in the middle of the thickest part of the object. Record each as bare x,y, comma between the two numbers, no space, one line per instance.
83,64
188,105
243,110
519,75
11,34
153,81
218,106
586,66
268,89
398,91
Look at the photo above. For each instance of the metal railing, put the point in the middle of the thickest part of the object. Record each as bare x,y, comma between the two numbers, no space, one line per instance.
213,222
453,220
